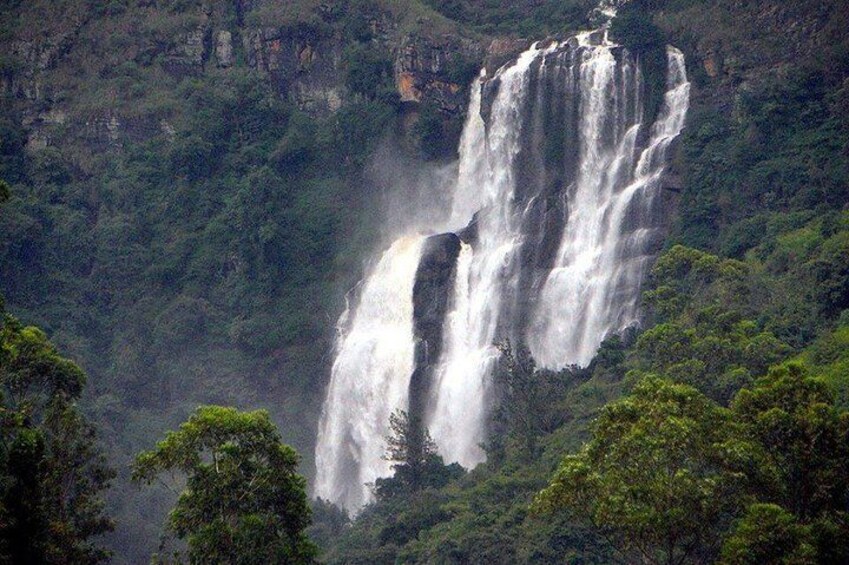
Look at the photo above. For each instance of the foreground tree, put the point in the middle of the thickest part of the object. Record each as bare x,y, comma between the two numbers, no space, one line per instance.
244,502
51,473
805,441
805,437
658,478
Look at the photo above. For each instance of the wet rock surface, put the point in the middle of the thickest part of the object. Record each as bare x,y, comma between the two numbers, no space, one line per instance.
431,301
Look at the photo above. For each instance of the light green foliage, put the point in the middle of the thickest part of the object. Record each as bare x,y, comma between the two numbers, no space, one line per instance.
51,471
702,338
828,359
244,501
660,474
768,535
805,437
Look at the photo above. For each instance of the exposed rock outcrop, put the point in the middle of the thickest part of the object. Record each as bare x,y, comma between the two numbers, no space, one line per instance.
431,292
436,70
305,61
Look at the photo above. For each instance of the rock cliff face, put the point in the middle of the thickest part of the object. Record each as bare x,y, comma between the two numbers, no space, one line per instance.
302,65
777,35
431,292
303,60
435,70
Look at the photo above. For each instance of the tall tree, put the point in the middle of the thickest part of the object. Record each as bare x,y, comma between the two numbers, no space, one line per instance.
244,503
805,437
658,476
414,459
52,471
805,441
409,448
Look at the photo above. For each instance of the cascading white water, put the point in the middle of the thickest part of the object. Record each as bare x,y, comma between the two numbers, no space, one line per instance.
593,288
369,379
452,422
486,273
558,176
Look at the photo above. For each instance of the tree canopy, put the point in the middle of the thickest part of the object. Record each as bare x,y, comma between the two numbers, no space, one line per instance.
51,470
244,503
672,477
659,474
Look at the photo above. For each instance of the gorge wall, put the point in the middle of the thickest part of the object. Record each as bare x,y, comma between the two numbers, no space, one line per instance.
302,49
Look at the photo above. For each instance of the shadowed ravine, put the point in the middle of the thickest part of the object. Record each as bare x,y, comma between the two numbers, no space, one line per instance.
557,210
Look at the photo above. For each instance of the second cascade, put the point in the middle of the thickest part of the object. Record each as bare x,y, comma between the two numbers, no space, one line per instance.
556,213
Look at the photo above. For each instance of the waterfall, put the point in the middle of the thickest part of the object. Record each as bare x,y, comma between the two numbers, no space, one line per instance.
486,273
592,289
559,211
369,379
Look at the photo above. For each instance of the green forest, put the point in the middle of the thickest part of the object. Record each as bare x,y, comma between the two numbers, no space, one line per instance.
182,214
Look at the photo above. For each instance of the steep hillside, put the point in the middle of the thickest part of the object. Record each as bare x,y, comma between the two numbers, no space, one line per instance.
191,198
196,184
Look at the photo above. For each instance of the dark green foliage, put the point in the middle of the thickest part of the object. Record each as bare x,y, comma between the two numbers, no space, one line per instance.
483,516
369,72
526,18
430,130
357,129
525,409
51,471
830,273
328,522
783,151
297,147
200,261
12,140
415,463
633,27
244,502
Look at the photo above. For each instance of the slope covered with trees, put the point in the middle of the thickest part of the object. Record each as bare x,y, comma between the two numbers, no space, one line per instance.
186,213
193,188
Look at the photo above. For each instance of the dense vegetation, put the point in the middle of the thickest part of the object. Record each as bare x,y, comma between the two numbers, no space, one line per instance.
527,18
243,502
203,262
52,472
